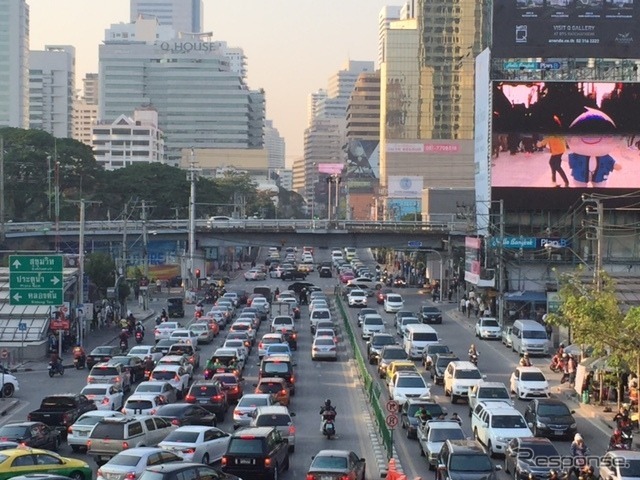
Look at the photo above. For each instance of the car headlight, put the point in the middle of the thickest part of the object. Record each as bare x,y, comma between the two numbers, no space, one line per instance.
541,425
502,439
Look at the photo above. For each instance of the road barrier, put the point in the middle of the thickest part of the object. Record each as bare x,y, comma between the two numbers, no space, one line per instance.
371,388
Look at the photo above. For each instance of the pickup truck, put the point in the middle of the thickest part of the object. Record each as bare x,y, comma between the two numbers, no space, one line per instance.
433,434
61,411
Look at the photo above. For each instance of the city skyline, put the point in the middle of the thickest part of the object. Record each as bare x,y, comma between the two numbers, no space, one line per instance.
338,32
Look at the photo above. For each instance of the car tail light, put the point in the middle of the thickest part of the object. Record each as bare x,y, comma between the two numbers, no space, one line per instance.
310,476
234,389
69,430
156,331
237,412
153,411
292,430
344,477
105,401
294,336
131,476
292,379
223,461
66,419
125,445
90,379
88,444
175,422
100,472
190,399
189,451
216,398
260,345
267,462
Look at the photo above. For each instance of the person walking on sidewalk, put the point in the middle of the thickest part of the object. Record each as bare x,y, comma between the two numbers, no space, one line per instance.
572,367
468,306
463,305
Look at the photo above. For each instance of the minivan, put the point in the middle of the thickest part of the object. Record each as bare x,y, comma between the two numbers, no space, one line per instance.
279,366
417,337
529,336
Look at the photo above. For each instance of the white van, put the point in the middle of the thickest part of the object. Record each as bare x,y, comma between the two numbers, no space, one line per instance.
528,336
417,337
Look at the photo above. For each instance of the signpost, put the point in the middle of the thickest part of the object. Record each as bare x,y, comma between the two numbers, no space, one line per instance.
391,421
36,280
414,244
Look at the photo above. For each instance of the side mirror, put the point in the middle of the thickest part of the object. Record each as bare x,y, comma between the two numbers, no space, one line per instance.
294,364
441,466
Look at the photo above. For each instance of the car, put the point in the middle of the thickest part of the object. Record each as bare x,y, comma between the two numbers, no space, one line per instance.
163,331
381,294
325,272
393,302
372,324
488,328
620,465
363,313
231,386
401,326
106,396
211,396
405,385
464,459
132,366
293,274
408,420
181,414
297,287
520,458
133,462
282,324
144,351
78,433
375,345
160,387
24,461
229,356
458,377
346,276
276,349
317,315
281,418
357,298
275,386
529,382
324,348
238,344
222,221
337,464
268,339
108,373
196,443
430,314
388,354
243,411
433,434
203,331
184,336
176,375
279,366
326,332
185,470
175,305
495,423
142,404
488,392
102,354
505,335
550,417
439,366
255,274
430,351
256,452
397,366
177,360
164,345
31,434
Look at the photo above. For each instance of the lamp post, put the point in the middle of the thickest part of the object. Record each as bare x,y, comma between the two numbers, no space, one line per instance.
441,267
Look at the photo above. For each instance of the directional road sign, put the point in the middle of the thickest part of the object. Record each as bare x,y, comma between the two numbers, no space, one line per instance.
36,280
414,244
22,327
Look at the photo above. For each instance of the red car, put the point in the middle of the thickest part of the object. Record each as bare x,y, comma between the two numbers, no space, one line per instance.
230,385
346,276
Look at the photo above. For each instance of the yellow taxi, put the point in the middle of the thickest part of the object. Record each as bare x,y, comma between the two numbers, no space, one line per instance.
400,366
25,460
277,387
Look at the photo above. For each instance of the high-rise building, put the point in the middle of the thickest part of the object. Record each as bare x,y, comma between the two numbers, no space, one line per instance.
52,74
91,88
341,83
298,175
85,116
14,59
185,16
363,109
274,144
187,80
387,15
313,101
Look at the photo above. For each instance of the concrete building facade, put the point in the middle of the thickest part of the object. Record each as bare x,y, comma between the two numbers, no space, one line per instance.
184,16
85,116
14,63
275,146
91,88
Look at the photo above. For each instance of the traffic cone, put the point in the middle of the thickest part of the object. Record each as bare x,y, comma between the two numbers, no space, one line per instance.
392,473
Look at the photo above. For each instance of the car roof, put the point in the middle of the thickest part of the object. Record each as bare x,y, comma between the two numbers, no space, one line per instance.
142,450
436,424
626,454
167,367
550,401
502,407
172,357
273,409
333,453
465,446
529,369
101,385
271,380
464,365
173,466
253,431
141,396
194,428
484,383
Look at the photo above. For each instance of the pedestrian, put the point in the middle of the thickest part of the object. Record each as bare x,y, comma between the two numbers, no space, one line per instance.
159,285
579,452
468,306
476,308
463,305
572,368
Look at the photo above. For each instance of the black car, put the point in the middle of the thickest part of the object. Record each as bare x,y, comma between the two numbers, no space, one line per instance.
408,419
102,354
133,365
298,286
164,345
175,307
551,418
376,343
186,414
31,434
440,365
256,452
172,471
211,396
520,457
430,351
325,272
429,314
293,274
465,459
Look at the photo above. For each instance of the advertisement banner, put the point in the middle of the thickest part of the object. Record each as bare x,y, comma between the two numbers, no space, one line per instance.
362,159
330,168
405,187
438,146
566,135
472,266
481,156
566,28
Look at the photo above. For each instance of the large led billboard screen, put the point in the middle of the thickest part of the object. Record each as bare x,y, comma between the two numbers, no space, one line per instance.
566,135
566,28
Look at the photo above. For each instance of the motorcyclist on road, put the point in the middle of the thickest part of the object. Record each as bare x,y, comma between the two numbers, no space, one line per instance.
79,353
326,410
525,361
163,315
124,338
553,475
587,473
56,361
622,419
139,327
473,352
124,323
616,442
149,365
423,415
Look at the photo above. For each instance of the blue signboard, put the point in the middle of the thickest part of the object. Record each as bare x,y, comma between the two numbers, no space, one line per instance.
530,243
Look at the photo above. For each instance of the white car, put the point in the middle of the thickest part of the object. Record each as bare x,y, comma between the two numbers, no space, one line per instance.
144,351
194,443
495,424
405,385
243,351
261,303
357,298
459,376
324,348
142,404
179,360
404,322
158,388
244,325
318,303
529,382
230,352
393,303
326,332
176,375
164,330
277,416
620,465
106,396
276,272
79,432
268,339
184,336
204,332
488,328
255,274
133,462
372,324
243,411
221,221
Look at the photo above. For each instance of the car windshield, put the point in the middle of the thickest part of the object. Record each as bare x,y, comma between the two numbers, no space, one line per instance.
534,334
470,463
410,382
493,392
373,321
112,431
275,349
321,314
89,420
427,310
104,372
329,462
490,323
62,403
93,391
175,410
102,351
139,351
444,434
539,450
508,421
324,341
553,410
410,321
425,336
148,388
164,375
394,299
12,431
182,437
444,361
468,374
379,340
273,420
434,349
532,377
243,446
630,469
253,402
433,409
269,387
125,460
394,354
272,367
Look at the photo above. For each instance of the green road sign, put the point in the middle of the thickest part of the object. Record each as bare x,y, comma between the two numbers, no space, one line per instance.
36,280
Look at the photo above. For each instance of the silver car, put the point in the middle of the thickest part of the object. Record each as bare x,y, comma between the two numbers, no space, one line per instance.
243,412
324,348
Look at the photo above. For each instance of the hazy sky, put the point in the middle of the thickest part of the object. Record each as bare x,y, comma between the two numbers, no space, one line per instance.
292,46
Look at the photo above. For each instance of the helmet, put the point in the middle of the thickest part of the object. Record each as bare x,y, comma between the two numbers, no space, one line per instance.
561,346
564,355
553,473
472,346
577,437
526,355
327,403
617,432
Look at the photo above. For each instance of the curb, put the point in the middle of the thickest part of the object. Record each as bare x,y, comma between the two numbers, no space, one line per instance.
4,409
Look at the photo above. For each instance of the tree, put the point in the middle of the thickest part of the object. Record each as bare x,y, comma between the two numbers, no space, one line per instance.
100,268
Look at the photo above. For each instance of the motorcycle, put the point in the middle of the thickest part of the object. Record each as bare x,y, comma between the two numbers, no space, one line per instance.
329,425
139,337
556,364
124,346
473,358
79,362
55,368
198,313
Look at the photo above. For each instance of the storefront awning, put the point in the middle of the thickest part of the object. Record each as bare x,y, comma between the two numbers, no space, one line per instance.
526,296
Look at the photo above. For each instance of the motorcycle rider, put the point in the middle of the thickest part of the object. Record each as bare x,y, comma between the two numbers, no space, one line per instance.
525,361
79,353
326,410
623,423
163,316
124,338
553,475
616,442
473,353
56,362
149,363
587,473
140,328
579,452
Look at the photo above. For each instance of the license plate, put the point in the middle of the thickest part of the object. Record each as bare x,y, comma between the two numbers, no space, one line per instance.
82,434
245,461
326,477
558,432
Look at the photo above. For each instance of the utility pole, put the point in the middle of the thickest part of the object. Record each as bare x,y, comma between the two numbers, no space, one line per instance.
599,212
145,240
336,192
192,220
57,196
124,240
500,276
2,226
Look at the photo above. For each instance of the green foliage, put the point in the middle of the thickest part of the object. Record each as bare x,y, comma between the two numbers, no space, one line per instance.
100,268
